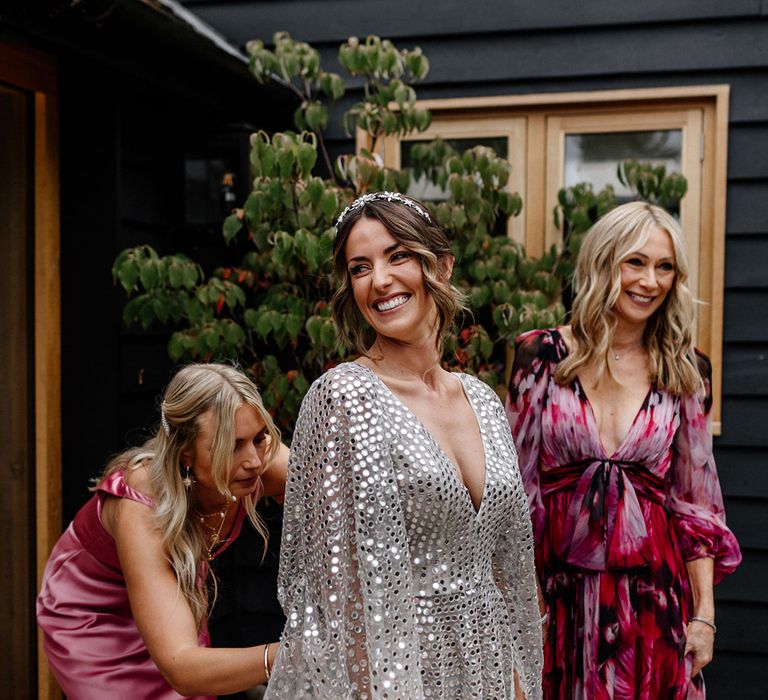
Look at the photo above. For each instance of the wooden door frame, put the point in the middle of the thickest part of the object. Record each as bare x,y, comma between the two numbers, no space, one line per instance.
28,69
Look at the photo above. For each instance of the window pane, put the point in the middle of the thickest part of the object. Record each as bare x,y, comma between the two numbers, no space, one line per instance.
423,188
593,157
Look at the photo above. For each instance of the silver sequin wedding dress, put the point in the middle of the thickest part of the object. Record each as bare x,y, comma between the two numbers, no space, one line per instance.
394,587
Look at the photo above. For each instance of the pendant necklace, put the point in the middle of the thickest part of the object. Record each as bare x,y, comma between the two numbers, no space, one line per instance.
214,531
616,355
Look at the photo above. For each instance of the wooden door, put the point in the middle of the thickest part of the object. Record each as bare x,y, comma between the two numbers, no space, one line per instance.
30,371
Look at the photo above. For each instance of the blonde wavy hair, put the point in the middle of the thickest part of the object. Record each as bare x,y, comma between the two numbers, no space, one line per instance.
416,234
195,390
668,336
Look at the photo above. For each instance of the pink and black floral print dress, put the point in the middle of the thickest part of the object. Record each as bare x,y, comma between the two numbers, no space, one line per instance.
613,532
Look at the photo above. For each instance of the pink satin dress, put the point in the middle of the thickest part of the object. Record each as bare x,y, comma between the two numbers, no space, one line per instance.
93,645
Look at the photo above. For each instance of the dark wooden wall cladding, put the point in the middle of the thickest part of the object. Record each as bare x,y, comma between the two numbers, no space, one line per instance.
122,185
127,130
499,47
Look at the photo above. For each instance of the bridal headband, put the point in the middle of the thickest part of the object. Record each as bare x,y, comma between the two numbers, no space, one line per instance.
378,196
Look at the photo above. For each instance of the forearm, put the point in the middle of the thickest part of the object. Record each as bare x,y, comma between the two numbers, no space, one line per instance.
701,577
217,671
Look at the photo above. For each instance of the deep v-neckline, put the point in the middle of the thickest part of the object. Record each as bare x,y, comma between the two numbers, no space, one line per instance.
456,472
596,428
564,352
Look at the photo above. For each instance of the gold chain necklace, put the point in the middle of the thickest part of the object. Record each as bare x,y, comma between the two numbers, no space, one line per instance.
214,531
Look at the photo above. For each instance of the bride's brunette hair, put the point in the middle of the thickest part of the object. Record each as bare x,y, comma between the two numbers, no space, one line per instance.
408,222
668,336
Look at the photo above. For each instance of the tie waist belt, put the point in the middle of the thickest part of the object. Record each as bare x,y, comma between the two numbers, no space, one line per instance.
605,527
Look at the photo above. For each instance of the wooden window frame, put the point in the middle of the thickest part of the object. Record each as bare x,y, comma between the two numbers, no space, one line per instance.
535,126
37,73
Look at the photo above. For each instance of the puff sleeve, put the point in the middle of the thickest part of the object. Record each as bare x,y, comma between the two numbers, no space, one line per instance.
694,499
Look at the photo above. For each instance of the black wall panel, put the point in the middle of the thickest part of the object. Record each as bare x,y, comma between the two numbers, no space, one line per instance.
739,587
745,370
745,258
747,207
742,471
745,315
322,22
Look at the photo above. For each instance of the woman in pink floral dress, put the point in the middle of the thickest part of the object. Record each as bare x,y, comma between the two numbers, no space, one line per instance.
610,416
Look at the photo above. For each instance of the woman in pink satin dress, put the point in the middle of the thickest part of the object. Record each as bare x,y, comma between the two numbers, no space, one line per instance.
124,599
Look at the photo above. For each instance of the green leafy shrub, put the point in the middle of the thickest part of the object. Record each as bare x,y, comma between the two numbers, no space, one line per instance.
271,311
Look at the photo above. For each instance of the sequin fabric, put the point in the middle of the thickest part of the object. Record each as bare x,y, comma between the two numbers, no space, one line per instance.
393,586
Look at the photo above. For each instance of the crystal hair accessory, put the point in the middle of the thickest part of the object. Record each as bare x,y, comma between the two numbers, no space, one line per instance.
164,422
377,196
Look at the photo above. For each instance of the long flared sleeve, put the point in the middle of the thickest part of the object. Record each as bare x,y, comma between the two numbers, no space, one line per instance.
515,575
345,579
524,406
694,499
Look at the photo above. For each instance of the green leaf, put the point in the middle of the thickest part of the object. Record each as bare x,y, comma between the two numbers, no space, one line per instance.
280,385
328,333
316,116
311,252
128,274
176,347
285,160
189,274
250,317
146,313
307,159
263,325
148,274
314,326
458,218
329,204
211,339
131,310
294,324
175,275
276,321
324,246
234,335
337,87
486,346
300,384
160,310
200,346
232,225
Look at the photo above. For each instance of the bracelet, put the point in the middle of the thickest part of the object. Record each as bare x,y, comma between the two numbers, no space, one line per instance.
706,622
544,618
266,659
